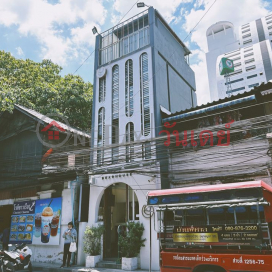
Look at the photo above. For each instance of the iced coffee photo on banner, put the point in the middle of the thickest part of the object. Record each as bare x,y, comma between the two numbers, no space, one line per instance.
47,221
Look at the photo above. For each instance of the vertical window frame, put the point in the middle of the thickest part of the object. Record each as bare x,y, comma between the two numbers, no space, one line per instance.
129,141
144,95
129,103
101,136
115,113
102,89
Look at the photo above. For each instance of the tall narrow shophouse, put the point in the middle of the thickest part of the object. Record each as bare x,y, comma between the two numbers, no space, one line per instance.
141,68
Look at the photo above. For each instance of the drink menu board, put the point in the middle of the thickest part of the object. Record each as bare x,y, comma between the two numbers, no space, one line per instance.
244,234
22,222
36,222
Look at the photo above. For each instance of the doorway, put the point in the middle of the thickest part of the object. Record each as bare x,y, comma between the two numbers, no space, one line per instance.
118,205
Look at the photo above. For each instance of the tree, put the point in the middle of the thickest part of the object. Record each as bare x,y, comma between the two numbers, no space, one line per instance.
39,86
131,241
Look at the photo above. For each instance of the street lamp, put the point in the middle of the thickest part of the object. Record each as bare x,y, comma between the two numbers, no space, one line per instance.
94,30
141,5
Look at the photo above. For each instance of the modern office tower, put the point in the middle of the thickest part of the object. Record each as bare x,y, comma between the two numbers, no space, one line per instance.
221,38
252,56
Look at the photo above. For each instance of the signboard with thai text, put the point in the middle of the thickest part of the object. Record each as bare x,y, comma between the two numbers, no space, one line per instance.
249,234
22,222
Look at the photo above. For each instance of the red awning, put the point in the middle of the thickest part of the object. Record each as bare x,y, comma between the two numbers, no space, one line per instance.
211,188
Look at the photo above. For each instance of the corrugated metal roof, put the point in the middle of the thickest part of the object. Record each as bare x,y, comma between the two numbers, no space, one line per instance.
41,117
211,108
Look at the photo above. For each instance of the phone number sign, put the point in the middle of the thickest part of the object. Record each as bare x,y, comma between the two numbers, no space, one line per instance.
249,234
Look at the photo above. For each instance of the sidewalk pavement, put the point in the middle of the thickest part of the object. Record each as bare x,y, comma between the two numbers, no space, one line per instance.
49,267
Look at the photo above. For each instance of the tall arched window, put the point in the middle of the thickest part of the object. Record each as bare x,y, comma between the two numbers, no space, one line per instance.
129,139
101,136
144,85
129,87
102,89
115,112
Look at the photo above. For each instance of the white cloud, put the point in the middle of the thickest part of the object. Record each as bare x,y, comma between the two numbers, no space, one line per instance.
19,51
166,8
231,11
221,10
46,22
202,83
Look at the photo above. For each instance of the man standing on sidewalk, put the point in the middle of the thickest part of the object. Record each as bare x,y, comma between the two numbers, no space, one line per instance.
70,235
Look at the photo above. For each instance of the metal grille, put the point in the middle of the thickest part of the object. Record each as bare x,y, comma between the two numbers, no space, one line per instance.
101,135
145,106
124,38
129,87
102,89
115,112
129,139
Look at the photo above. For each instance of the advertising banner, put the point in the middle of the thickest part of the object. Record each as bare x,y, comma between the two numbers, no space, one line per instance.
248,234
47,221
22,222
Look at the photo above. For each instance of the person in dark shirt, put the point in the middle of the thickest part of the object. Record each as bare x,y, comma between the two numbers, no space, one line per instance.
5,239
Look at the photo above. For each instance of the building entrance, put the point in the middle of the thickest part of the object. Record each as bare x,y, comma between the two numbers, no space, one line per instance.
118,205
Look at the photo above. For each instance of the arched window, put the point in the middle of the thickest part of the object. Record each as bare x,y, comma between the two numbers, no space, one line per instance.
129,139
144,85
129,87
115,112
102,89
101,136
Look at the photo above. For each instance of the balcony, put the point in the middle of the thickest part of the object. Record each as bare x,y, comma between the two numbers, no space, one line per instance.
124,38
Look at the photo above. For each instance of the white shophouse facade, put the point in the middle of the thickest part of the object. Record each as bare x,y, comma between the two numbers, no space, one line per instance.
140,67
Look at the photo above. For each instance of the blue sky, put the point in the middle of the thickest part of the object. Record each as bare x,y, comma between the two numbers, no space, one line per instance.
60,30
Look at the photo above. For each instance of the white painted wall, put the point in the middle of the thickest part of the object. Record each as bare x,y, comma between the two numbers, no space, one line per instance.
107,104
141,185
81,256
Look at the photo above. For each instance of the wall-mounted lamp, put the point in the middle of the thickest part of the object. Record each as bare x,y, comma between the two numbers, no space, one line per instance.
141,5
94,30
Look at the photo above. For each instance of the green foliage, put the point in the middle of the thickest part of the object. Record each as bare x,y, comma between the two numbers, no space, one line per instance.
92,240
131,242
40,86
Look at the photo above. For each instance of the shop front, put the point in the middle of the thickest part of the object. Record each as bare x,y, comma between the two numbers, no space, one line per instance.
115,200
39,222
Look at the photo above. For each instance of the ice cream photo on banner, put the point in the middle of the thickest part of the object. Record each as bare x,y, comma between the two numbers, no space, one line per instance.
47,222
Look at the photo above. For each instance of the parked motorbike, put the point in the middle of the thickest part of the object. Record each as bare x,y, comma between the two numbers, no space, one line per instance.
17,259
